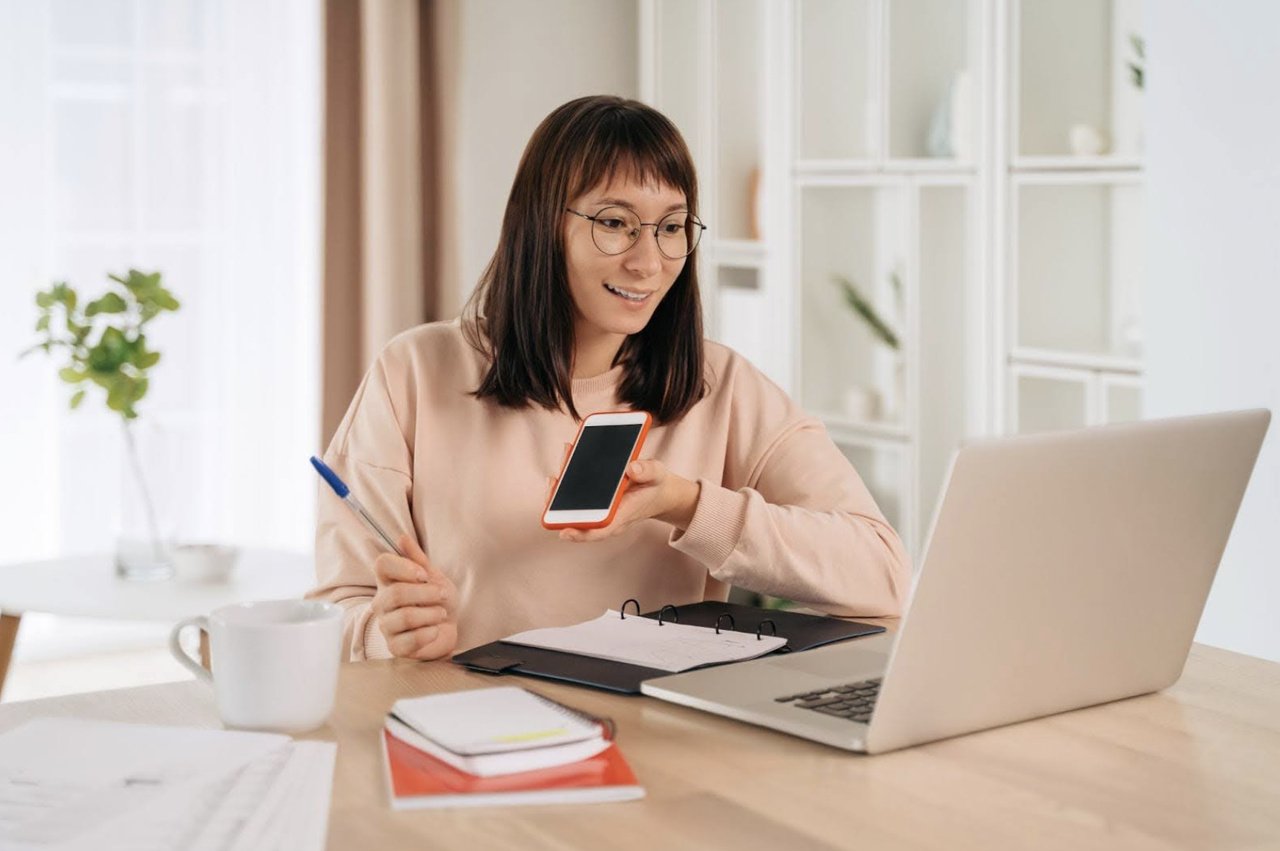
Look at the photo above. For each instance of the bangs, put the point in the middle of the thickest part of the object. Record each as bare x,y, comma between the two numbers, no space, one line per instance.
633,146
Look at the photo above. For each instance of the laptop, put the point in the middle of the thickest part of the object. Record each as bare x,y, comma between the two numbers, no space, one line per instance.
1062,570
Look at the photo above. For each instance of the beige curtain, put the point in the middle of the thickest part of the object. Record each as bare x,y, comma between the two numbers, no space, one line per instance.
384,255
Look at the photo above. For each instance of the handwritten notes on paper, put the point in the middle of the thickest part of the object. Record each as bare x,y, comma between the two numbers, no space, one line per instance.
666,646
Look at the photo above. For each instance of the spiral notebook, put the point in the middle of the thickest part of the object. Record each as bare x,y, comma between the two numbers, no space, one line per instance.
493,731
751,626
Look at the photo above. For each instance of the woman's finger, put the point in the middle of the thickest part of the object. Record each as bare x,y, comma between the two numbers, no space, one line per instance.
646,471
417,555
436,642
409,618
407,644
413,550
403,594
390,568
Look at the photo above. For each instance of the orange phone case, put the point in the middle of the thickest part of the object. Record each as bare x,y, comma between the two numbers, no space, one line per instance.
622,489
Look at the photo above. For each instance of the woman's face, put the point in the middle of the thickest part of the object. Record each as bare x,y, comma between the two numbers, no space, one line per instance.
617,294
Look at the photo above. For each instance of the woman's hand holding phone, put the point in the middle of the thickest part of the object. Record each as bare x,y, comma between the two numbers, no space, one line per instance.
654,493
416,604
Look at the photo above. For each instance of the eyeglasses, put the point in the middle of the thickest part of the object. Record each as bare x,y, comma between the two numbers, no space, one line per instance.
616,229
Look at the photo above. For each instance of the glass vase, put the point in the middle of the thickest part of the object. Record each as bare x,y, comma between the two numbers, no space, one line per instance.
144,537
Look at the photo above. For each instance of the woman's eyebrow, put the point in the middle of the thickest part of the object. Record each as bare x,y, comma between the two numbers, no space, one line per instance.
618,202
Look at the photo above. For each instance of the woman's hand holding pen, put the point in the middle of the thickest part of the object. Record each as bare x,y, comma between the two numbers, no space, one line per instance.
416,604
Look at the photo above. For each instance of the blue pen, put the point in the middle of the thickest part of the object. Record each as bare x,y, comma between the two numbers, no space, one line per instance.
344,494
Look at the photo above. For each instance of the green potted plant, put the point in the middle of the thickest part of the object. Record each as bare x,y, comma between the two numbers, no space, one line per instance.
104,344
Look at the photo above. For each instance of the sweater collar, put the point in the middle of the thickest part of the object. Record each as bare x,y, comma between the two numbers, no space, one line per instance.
605,382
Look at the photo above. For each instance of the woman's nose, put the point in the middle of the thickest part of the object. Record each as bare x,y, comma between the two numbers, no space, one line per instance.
644,258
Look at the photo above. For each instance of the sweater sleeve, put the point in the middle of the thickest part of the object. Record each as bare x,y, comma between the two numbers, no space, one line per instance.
803,525
370,452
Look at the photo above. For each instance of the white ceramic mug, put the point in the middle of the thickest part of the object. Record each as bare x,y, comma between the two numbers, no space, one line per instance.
275,663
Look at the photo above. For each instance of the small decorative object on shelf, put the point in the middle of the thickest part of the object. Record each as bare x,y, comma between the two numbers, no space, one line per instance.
106,345
757,205
868,404
1086,140
950,128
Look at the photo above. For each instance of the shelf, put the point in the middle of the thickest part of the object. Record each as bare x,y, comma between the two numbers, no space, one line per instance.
930,90
741,253
1072,163
1046,403
811,169
999,259
859,432
838,40
855,233
1077,261
739,51
1071,69
680,52
1052,398
1123,402
1076,361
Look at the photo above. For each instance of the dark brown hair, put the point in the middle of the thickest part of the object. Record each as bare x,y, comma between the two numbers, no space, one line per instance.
521,314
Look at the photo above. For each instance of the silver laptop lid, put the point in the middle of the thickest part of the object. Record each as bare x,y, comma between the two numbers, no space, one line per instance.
1064,570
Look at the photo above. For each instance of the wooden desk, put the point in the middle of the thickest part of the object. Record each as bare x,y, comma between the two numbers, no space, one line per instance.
1195,767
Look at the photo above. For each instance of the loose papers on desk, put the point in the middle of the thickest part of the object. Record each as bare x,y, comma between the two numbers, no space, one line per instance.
667,646
76,784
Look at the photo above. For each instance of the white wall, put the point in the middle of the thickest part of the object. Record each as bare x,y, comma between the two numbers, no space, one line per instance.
515,63
1212,300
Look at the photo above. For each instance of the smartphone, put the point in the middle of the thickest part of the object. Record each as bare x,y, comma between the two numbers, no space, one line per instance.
593,478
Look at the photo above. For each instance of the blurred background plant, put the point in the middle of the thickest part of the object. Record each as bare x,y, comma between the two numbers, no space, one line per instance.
863,307
104,342
1137,65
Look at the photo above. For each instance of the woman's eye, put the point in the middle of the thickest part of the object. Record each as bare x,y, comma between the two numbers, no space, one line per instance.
672,229
611,224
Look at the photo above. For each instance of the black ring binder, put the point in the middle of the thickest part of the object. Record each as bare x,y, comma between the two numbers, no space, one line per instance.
768,621
722,617
622,613
674,612
803,632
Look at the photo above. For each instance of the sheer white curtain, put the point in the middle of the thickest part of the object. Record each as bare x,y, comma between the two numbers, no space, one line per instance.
180,136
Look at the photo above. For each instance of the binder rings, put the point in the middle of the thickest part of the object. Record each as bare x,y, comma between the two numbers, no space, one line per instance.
803,632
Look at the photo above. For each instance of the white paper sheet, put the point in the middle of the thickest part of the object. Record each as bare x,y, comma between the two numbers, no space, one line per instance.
643,641
72,784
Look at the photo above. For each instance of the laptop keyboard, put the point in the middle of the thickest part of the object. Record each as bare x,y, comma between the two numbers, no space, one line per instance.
854,701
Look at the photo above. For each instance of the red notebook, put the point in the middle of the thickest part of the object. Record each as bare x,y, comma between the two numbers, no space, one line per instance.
418,780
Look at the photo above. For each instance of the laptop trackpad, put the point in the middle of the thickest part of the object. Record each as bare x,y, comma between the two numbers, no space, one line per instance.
849,660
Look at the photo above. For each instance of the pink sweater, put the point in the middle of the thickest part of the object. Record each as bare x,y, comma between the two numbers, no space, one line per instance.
781,510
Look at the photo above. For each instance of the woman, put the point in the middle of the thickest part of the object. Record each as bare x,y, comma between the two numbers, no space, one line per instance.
590,303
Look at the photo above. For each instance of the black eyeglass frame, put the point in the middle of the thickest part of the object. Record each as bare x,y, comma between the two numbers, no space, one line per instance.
693,220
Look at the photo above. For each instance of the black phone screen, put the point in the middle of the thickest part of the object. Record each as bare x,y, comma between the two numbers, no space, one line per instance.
599,459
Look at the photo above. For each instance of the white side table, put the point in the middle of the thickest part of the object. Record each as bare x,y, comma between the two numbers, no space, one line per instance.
87,586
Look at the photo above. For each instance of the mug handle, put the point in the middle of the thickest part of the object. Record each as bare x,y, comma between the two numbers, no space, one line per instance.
175,646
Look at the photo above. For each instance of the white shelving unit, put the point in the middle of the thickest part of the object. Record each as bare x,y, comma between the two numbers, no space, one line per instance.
922,150
1069,237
